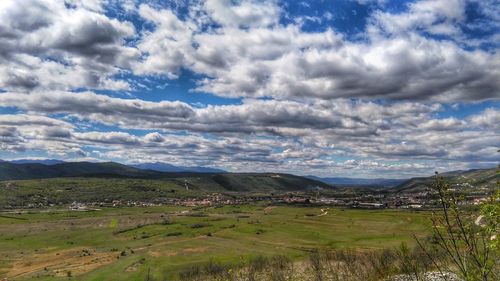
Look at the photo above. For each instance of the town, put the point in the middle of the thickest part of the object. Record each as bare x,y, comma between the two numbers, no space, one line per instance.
378,200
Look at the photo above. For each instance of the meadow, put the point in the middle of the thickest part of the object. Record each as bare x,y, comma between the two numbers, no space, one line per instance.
135,242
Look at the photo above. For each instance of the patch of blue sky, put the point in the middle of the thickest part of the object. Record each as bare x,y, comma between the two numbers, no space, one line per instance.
344,16
9,110
160,88
395,6
477,23
462,110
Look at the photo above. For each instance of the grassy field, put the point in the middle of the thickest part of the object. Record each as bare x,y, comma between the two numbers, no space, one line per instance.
126,243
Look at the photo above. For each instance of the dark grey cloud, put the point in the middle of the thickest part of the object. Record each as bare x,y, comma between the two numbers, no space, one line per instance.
400,149
44,42
284,62
95,37
8,132
21,80
32,120
253,116
88,105
250,54
400,130
57,132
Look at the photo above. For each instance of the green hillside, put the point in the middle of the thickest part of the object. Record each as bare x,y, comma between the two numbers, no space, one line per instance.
43,192
469,181
11,171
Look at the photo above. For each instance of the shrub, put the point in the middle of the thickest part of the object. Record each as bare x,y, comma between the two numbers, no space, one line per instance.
467,236
191,273
200,225
316,266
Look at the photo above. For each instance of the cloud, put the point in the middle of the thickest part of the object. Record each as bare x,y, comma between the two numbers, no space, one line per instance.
443,124
10,138
164,49
489,119
20,119
243,50
283,62
451,20
62,45
244,14
436,17
253,116
269,131
18,131
413,68
99,107
306,100
107,138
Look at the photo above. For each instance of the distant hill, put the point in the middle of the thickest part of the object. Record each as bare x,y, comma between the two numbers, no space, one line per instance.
164,167
65,190
12,171
35,161
470,180
209,182
266,182
361,182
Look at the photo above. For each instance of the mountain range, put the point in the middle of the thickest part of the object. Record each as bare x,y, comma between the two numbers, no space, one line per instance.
41,169
35,161
164,167
471,180
261,182
156,166
361,182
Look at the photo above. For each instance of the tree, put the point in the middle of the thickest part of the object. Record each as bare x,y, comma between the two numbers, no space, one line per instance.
468,235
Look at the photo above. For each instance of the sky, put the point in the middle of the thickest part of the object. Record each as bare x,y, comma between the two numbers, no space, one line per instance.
356,88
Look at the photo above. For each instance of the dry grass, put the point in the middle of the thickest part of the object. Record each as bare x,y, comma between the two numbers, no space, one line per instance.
59,263
332,265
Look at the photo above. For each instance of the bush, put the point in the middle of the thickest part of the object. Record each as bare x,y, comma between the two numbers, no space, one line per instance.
191,273
173,234
200,225
466,235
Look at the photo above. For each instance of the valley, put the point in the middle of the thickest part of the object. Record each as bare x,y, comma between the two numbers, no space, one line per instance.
96,221
128,242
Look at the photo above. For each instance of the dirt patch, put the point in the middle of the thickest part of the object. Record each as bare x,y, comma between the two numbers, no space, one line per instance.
59,263
164,253
268,210
195,250
133,267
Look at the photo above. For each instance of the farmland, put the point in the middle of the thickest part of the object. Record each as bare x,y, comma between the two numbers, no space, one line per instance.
129,243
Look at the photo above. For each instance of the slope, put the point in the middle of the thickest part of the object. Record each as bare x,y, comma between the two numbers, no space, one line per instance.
469,181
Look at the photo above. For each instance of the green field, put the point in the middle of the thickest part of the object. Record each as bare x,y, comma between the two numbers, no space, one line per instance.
126,243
